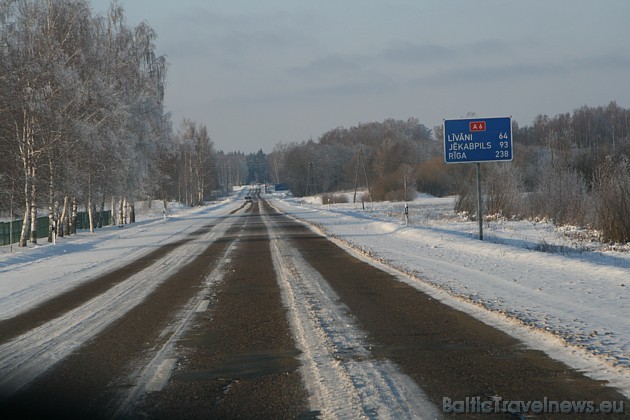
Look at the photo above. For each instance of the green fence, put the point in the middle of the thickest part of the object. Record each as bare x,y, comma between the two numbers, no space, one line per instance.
101,218
5,232
82,221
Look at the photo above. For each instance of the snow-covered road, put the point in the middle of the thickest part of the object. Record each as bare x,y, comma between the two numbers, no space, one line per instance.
30,276
573,305
31,354
358,388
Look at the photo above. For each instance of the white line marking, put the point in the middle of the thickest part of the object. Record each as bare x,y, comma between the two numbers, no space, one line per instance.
161,376
203,306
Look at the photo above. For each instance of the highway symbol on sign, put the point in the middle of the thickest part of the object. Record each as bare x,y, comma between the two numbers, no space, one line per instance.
478,140
477,126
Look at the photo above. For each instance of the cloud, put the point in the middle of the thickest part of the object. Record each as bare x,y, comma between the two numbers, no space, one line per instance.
400,58
404,51
491,73
332,90
409,52
330,64
602,62
519,71
235,37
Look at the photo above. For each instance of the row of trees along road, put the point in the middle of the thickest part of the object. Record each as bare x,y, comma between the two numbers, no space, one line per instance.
82,121
81,106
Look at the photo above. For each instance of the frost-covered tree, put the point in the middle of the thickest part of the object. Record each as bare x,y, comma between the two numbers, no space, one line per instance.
82,109
196,162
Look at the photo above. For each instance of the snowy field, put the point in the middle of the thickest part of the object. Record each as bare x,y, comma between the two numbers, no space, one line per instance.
554,289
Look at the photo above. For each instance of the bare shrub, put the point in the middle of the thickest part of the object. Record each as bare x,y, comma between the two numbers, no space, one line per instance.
467,201
340,198
544,246
365,197
503,186
561,195
612,197
467,193
391,188
329,198
502,191
432,177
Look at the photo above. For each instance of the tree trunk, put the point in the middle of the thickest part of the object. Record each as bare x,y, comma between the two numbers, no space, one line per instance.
32,169
63,220
27,213
132,213
22,136
190,181
11,217
102,213
52,216
90,209
125,215
33,238
73,217
25,220
120,213
55,223
113,207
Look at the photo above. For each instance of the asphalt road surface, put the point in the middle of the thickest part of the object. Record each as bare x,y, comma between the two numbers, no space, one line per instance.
255,316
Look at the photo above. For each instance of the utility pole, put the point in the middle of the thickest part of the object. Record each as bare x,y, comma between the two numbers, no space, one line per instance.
404,184
356,181
367,183
356,175
312,167
310,176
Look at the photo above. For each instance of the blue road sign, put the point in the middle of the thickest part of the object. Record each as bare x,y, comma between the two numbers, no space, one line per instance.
478,140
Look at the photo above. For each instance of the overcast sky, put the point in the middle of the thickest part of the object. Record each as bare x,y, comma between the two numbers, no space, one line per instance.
261,72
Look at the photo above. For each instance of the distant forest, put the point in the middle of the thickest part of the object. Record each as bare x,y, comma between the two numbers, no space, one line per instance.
572,168
83,126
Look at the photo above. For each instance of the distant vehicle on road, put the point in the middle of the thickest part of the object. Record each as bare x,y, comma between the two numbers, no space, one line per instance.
248,199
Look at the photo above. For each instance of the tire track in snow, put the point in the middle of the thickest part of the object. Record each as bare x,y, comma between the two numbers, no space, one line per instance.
156,373
342,378
94,275
28,356
58,305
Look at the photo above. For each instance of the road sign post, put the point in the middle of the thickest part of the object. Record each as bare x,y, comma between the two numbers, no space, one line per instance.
477,140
